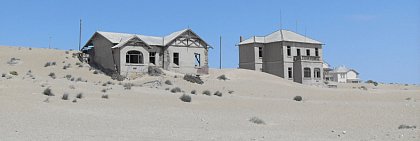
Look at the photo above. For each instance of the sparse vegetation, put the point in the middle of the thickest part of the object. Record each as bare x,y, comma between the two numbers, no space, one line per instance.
372,82
217,93
72,87
66,66
193,79
167,89
363,88
79,79
222,77
185,98
117,77
49,64
48,92
256,120
193,92
67,52
52,75
207,92
68,76
13,61
298,98
3,75
65,96
176,90
403,126
15,73
127,86
95,72
103,90
154,71
79,95
231,91
105,96
74,100
168,82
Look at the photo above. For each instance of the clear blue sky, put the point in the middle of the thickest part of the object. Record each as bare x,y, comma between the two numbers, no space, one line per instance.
380,39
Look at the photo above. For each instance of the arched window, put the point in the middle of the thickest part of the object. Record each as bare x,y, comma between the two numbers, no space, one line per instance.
317,73
307,72
134,57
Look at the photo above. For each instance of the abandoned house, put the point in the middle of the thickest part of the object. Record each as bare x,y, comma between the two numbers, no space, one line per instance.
182,51
342,74
284,53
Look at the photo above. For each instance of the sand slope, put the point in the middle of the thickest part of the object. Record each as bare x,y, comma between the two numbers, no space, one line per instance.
150,112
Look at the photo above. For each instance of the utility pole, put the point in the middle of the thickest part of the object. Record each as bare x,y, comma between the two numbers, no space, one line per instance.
220,63
49,42
80,34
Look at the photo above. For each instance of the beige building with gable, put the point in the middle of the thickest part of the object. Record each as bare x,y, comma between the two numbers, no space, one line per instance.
182,51
285,54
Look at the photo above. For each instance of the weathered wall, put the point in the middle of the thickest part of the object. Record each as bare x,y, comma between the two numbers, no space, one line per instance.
186,59
103,55
273,59
299,73
247,56
127,69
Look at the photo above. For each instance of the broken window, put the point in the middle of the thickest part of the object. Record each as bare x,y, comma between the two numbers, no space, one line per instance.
289,70
317,73
308,52
316,52
289,51
298,52
152,57
260,52
307,72
134,57
197,59
176,58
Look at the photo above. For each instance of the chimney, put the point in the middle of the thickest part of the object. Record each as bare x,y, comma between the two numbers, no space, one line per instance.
241,39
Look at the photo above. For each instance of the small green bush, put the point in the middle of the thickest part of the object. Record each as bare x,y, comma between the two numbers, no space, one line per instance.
207,92
13,73
176,90
297,98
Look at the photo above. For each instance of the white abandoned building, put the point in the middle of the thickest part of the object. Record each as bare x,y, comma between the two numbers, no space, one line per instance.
343,74
284,53
182,51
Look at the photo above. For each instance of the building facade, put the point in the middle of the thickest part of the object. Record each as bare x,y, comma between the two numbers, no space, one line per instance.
343,74
182,51
285,54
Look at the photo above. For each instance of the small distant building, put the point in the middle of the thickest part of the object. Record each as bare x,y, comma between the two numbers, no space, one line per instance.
327,69
285,54
182,51
343,74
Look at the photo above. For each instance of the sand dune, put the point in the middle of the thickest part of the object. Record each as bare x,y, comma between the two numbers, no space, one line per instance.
148,111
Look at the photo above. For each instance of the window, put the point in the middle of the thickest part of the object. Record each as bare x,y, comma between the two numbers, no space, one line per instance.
289,51
289,71
308,52
176,58
298,52
342,76
307,73
317,73
152,57
197,59
134,57
316,52
260,52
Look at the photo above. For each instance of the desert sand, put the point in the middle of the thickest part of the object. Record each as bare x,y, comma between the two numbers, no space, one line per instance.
149,111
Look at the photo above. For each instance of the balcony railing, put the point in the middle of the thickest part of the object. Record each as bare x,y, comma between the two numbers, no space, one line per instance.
306,58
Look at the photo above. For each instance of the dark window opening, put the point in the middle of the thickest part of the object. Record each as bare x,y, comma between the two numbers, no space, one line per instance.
290,74
176,58
298,52
289,51
152,58
197,59
308,52
134,57
317,73
307,72
260,52
316,52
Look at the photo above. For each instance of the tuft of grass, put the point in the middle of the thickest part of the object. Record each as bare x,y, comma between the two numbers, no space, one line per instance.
193,92
65,96
68,76
372,82
13,73
105,96
52,75
168,82
207,92
363,88
154,71
48,92
79,79
176,90
222,77
167,89
127,86
13,61
193,79
95,72
103,90
104,84
53,63
256,120
3,75
217,93
297,98
74,100
403,126
231,91
185,98
79,95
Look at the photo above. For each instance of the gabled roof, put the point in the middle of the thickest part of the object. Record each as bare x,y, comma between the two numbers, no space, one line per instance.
342,69
280,35
121,38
